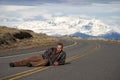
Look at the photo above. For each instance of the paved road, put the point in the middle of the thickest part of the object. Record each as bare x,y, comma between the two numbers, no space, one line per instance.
86,60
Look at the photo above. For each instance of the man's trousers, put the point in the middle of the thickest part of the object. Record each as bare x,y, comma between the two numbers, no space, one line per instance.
35,61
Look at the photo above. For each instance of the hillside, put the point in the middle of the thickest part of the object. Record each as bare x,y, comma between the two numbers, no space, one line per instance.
11,38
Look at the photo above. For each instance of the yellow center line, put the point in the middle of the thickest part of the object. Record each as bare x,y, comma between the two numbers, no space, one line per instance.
38,69
80,55
20,73
84,54
17,77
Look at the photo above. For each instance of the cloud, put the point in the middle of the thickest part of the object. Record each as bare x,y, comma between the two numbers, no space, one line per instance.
27,2
23,13
115,2
115,17
14,7
39,2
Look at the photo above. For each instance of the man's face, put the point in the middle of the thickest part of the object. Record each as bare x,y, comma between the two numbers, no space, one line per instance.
59,48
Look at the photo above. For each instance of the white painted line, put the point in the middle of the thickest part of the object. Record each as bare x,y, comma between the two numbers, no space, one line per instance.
37,51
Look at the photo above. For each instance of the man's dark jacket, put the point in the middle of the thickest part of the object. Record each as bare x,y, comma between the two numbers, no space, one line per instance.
60,57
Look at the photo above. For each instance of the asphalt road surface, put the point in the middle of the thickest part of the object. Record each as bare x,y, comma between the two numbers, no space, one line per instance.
86,60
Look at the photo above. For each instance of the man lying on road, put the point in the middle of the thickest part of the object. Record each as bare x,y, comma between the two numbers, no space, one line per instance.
53,56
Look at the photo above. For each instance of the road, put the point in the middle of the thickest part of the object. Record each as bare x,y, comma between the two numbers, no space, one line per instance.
86,60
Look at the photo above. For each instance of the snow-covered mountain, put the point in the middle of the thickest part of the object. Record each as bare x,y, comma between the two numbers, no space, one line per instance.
70,25
112,35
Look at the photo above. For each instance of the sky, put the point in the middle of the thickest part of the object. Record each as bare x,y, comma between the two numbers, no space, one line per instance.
15,12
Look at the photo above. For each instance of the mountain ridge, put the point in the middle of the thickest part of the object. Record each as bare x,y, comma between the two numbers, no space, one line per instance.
69,25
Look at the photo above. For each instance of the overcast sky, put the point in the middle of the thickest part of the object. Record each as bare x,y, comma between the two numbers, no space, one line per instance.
19,11
36,2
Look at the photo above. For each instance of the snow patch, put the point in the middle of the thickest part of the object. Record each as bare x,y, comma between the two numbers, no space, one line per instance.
67,25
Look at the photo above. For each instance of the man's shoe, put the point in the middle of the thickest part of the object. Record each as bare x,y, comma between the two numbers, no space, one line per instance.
12,65
29,65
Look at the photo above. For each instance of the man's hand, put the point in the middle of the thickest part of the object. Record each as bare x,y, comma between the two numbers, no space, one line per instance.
56,63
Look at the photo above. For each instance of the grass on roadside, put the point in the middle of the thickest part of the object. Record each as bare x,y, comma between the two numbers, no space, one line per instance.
12,38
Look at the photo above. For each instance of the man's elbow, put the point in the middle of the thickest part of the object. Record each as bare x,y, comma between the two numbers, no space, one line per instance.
62,63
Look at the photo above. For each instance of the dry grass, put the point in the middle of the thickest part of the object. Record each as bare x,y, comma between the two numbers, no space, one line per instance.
8,41
4,29
94,39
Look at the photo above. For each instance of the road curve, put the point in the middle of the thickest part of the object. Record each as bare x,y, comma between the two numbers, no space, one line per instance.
86,60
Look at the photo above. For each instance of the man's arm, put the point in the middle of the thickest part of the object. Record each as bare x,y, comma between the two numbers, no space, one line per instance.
47,54
61,61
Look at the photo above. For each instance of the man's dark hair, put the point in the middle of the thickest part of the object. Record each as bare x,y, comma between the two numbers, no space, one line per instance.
61,44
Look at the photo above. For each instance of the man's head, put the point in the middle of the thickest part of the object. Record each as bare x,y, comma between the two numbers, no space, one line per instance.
59,47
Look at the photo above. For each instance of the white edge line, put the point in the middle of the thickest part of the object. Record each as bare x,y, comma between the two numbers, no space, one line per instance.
37,51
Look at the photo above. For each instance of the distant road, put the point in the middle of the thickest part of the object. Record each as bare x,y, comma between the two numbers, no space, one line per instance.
86,60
